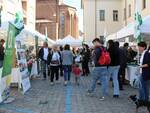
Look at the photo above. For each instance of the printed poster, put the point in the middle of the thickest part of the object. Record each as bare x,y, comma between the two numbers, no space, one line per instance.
23,67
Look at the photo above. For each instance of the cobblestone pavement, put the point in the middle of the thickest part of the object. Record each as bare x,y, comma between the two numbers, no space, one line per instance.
44,98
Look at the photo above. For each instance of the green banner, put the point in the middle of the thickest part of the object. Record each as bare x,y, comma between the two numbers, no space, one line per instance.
10,45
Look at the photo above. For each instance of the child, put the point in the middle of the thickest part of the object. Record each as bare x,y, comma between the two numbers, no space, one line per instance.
77,73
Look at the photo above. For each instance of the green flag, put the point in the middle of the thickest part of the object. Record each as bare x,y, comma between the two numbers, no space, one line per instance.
10,45
13,30
138,23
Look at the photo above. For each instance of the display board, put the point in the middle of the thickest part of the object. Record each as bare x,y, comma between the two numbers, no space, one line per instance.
23,67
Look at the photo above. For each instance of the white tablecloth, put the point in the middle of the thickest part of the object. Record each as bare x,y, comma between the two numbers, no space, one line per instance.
34,71
131,73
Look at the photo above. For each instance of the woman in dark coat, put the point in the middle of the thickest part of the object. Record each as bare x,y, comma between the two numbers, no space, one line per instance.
85,60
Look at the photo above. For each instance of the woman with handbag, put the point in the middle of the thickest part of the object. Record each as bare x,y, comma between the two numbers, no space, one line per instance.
54,62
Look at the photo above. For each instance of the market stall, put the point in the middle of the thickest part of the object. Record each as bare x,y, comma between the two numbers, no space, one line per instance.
29,40
126,34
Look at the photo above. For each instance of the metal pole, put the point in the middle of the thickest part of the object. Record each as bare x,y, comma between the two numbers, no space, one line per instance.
36,47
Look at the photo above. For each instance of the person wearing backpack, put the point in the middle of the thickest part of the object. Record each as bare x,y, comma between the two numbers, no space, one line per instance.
114,66
100,71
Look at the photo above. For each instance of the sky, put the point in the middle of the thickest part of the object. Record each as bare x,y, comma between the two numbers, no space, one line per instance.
77,4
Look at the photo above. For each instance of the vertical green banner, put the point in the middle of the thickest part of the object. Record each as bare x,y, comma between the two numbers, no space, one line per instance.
10,45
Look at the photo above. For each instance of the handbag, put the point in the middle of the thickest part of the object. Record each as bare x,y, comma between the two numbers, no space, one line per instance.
55,62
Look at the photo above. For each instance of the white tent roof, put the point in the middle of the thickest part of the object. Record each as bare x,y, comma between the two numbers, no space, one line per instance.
69,40
111,37
145,27
129,30
126,31
28,36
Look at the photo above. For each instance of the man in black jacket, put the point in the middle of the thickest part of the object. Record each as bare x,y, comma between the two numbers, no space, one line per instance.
43,55
114,66
123,63
85,60
145,72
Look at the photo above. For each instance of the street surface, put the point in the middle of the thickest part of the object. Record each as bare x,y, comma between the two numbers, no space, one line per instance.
44,98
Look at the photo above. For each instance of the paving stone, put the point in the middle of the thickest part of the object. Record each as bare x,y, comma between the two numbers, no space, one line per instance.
60,99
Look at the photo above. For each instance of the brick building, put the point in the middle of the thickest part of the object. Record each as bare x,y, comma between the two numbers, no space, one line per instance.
58,18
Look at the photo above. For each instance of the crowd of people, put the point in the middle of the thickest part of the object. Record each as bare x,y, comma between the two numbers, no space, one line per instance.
109,64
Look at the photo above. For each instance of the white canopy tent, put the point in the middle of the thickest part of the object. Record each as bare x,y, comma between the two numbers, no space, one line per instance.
28,36
111,37
69,40
128,31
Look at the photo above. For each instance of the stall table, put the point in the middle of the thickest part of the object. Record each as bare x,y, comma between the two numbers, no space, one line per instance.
131,73
34,71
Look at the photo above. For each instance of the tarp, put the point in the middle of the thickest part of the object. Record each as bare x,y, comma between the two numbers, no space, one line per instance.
69,40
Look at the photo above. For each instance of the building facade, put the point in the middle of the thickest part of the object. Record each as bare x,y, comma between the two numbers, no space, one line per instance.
129,10
29,13
105,17
56,19
68,21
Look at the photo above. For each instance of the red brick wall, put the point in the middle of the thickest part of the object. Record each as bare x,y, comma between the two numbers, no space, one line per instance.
46,9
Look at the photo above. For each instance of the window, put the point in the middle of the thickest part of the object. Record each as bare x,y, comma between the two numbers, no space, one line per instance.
115,15
124,13
62,25
130,10
102,15
144,4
